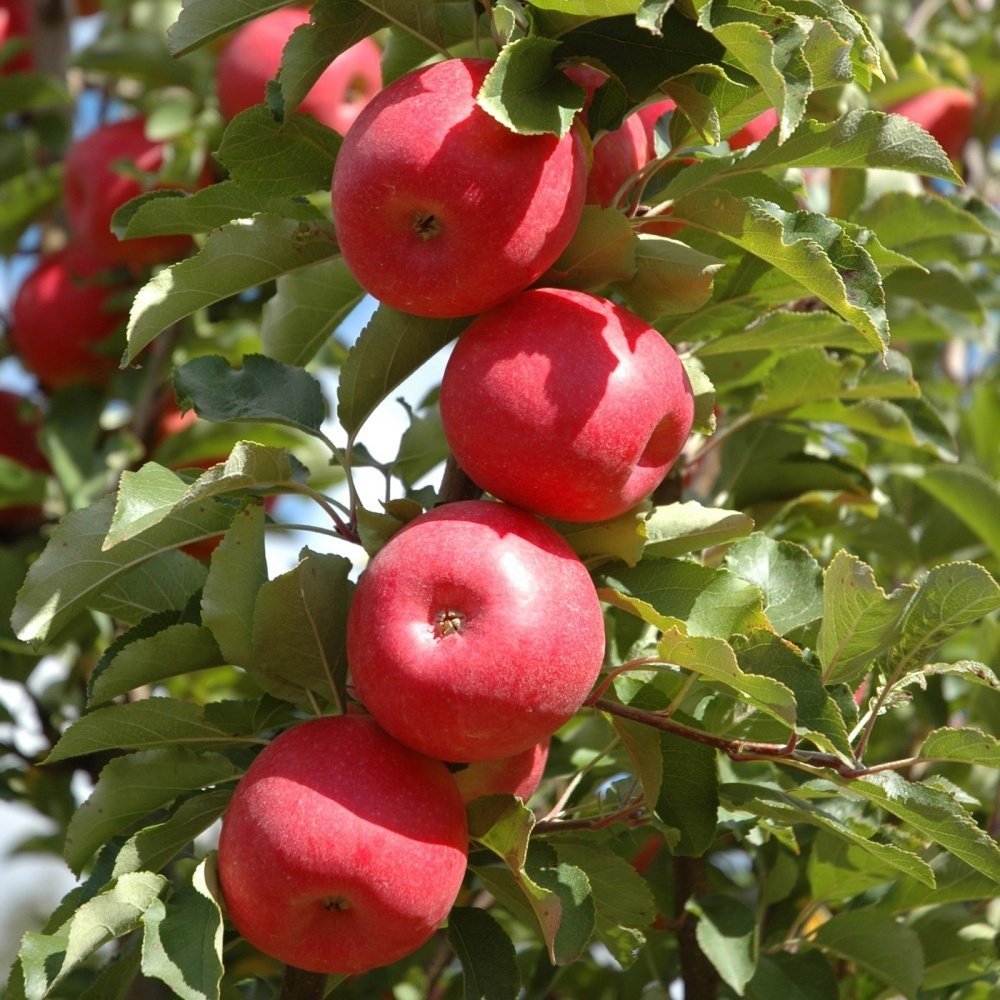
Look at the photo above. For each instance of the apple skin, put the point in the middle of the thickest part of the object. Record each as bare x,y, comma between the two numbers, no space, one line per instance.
519,775
619,154
474,633
17,21
756,129
945,112
20,422
565,404
94,189
439,209
60,315
252,56
341,850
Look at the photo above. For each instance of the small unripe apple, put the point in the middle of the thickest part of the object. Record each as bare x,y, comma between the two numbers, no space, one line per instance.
619,154
98,181
518,775
19,425
16,22
565,404
756,129
252,56
945,112
475,632
442,211
341,849
61,317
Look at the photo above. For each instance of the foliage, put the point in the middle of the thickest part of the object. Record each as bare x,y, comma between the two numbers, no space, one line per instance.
785,782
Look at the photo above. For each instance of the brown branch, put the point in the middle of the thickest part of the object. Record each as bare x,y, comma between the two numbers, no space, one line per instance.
301,985
456,484
699,975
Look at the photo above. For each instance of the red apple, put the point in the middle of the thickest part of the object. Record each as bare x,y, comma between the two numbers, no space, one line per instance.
565,404
945,112
98,181
519,775
19,425
16,23
61,318
475,632
252,56
341,850
442,211
619,154
755,130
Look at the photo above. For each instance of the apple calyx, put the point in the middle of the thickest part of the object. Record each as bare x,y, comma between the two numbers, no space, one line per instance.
447,623
426,225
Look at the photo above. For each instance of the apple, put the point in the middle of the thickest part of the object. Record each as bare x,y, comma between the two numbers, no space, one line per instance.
61,318
20,421
755,130
442,211
619,154
945,112
16,23
252,56
474,633
565,404
98,181
341,849
518,775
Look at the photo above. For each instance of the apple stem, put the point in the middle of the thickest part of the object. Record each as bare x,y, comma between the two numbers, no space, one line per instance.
456,484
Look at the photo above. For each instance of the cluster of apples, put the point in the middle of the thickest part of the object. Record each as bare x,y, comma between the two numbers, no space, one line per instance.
475,632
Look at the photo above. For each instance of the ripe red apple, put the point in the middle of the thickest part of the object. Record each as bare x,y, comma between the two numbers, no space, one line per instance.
442,211
252,56
754,130
97,182
19,425
475,632
519,775
565,404
341,849
60,318
16,22
945,112
619,154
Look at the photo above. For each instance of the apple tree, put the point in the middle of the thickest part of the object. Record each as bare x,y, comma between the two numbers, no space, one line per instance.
753,710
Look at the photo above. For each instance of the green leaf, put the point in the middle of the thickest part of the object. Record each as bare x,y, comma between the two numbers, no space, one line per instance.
789,809
727,935
200,21
784,331
680,528
642,744
182,944
133,786
571,889
713,602
30,91
601,251
935,815
262,389
967,745
74,571
49,958
299,632
237,257
502,824
152,847
810,248
787,575
805,975
817,716
671,278
307,308
954,882
237,572
948,598
689,799
19,484
623,903
391,347
177,649
589,8
142,725
526,93
839,870
878,944
489,965
278,158
250,466
860,621
903,219
23,198
970,494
